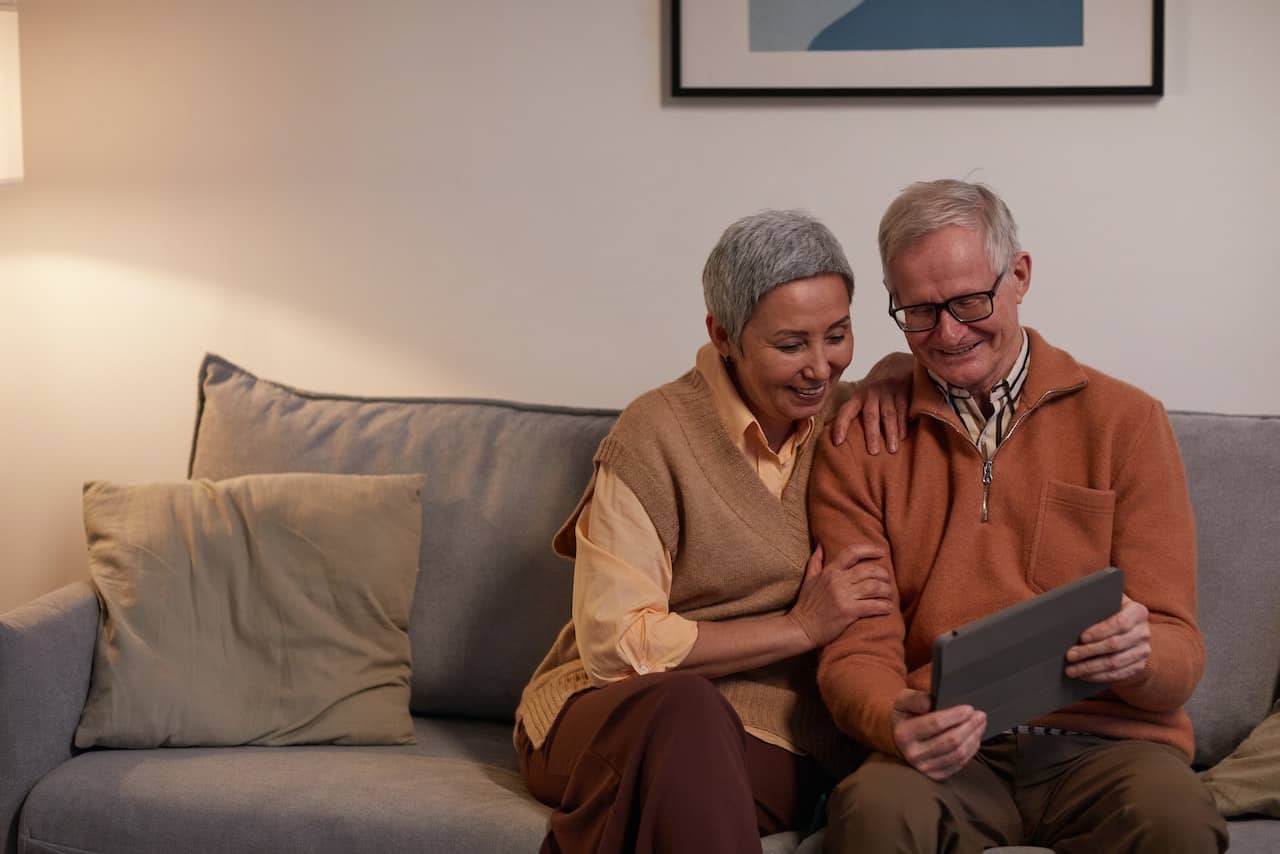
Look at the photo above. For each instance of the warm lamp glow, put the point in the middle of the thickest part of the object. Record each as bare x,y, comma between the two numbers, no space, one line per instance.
10,96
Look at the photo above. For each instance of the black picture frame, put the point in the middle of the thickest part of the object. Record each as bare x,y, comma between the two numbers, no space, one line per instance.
683,84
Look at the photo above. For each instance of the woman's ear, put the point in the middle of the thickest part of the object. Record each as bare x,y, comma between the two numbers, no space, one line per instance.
719,337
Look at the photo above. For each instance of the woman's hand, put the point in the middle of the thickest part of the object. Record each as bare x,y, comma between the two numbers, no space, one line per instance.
835,595
831,597
882,398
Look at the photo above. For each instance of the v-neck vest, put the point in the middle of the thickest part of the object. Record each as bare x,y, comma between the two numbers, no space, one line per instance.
736,550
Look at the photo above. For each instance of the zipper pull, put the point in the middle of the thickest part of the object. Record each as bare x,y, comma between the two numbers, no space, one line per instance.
986,487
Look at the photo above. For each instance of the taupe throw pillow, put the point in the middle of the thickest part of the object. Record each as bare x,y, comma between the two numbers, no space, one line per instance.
503,476
1247,782
269,609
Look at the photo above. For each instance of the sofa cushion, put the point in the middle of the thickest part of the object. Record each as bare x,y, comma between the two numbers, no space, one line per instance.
455,790
501,478
1253,836
1233,474
270,609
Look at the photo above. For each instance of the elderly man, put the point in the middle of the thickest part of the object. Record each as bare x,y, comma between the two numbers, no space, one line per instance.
1021,470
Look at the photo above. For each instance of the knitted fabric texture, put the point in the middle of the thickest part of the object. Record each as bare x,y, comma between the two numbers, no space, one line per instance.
1088,476
736,551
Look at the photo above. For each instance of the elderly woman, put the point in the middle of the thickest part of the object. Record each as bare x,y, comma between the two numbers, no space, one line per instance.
678,711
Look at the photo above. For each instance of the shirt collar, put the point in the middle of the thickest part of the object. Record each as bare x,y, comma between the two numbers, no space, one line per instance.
1007,389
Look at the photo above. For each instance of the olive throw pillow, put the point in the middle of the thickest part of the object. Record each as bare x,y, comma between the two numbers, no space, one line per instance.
268,609
1248,781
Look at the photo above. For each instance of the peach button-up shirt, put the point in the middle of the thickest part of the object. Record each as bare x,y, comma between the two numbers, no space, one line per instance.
622,574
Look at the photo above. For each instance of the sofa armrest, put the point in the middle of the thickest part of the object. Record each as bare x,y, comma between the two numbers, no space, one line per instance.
46,655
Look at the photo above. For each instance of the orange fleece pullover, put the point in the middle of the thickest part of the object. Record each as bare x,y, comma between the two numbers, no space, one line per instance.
1088,476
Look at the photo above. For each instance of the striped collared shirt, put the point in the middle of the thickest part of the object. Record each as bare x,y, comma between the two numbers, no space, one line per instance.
988,431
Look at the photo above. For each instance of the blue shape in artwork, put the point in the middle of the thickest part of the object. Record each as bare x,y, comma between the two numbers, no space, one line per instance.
928,24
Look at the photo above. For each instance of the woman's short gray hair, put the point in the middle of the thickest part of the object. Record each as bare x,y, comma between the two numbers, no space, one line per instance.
761,252
928,206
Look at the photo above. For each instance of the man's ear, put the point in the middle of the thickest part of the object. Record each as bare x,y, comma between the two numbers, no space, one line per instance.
1020,270
719,336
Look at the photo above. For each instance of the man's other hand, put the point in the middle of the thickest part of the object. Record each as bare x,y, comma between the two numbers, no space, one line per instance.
937,744
1115,649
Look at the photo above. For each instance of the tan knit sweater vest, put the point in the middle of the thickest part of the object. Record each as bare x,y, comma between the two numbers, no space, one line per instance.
736,551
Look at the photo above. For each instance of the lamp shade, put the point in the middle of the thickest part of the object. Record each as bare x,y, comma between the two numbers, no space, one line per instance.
10,96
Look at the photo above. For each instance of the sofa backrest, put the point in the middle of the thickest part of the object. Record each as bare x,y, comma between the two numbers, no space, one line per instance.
1233,474
501,478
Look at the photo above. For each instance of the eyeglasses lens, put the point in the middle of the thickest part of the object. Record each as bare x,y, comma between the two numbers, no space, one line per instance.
970,308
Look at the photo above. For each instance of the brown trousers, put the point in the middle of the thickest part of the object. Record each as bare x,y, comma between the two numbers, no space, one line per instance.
1074,794
660,763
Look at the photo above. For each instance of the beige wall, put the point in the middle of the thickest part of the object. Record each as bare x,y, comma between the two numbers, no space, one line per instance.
495,199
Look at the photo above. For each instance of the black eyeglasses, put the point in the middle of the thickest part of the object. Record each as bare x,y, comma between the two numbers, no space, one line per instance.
965,308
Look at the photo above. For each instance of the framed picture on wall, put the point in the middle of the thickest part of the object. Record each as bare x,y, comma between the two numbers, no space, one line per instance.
916,47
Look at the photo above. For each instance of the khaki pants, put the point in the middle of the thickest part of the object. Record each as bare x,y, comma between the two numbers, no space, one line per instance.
1074,794
661,763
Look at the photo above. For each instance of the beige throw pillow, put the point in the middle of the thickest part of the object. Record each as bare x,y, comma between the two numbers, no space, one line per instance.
268,609
1248,781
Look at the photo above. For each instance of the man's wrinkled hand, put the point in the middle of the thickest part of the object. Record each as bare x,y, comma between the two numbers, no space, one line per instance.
937,744
1115,649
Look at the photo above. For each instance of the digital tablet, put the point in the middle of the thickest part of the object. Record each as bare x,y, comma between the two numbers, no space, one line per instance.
1010,664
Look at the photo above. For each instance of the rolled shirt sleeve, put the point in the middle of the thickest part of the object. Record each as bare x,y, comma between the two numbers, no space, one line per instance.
622,588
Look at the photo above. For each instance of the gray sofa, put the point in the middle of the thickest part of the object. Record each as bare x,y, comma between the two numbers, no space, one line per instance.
490,597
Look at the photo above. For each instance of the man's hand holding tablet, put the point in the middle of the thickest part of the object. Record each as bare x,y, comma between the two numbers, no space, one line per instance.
1015,665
